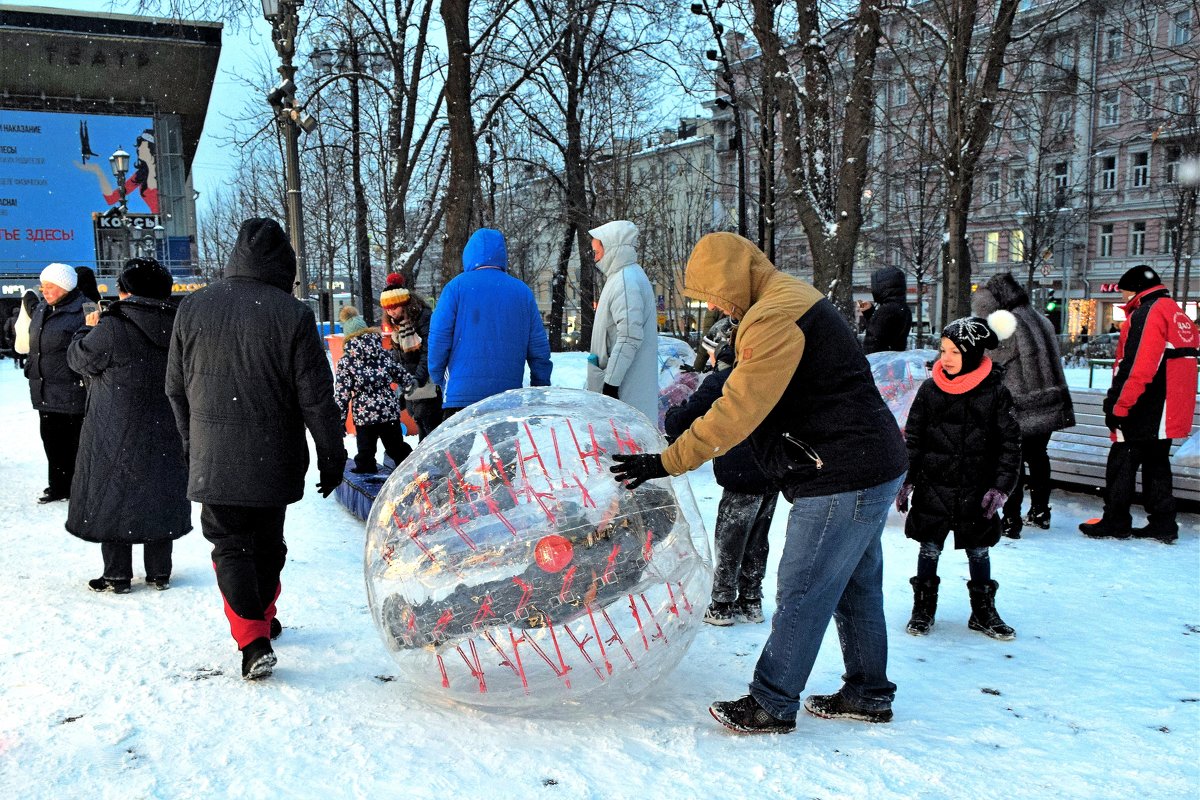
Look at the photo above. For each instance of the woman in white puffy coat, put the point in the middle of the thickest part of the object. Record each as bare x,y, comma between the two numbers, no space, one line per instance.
625,332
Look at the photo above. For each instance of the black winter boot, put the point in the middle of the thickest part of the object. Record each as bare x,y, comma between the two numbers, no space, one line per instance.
925,594
258,659
983,611
1039,517
1011,527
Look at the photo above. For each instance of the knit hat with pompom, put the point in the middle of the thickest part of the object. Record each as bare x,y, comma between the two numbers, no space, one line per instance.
973,335
395,294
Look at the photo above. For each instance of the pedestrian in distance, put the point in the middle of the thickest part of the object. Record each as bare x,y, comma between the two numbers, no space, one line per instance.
130,484
801,390
246,375
889,320
1151,401
1033,374
964,454
57,391
748,498
485,328
624,348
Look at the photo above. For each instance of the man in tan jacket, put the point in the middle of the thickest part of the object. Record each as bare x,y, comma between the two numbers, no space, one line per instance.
802,391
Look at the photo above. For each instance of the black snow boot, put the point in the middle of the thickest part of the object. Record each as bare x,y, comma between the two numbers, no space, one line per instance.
115,585
258,659
1011,527
983,611
1105,530
1039,517
925,593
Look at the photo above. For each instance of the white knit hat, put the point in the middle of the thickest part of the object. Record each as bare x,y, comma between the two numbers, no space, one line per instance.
60,275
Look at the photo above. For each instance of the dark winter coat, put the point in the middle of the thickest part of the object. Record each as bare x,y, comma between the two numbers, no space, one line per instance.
53,385
247,374
364,376
417,361
485,327
1033,369
891,319
801,390
1153,393
959,446
130,481
737,470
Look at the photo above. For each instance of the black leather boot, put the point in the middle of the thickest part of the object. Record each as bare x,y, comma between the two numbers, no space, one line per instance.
925,595
983,611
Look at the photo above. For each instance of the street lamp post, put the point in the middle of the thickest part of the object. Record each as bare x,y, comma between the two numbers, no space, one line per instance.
119,161
284,16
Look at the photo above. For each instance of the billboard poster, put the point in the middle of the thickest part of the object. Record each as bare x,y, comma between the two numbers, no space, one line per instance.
55,174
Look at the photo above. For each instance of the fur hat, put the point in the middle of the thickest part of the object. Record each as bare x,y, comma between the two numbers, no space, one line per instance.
395,294
1138,279
61,276
973,335
145,277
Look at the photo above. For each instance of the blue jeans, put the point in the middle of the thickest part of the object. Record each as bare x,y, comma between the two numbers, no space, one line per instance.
832,567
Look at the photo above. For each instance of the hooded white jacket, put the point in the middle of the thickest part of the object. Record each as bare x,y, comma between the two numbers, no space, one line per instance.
625,332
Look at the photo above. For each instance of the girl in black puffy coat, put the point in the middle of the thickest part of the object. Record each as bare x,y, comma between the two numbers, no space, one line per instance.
964,451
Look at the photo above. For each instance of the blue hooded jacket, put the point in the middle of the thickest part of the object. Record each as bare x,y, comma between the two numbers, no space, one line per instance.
485,326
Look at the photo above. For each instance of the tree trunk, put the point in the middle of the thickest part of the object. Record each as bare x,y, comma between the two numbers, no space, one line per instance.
558,290
462,185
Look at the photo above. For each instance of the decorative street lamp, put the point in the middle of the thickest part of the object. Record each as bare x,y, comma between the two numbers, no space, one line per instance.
284,16
119,161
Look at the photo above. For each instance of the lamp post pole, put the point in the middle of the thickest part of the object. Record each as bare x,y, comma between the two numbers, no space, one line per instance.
284,16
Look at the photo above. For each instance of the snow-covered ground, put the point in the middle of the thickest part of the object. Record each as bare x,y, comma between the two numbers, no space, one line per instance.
140,695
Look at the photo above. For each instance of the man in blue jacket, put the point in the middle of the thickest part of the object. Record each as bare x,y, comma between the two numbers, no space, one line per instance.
485,326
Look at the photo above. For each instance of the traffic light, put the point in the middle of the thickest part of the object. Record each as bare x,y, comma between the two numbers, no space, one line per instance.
1053,311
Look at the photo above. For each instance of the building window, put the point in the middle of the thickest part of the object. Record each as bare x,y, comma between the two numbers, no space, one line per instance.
1181,27
1113,43
1062,115
1016,179
1173,155
993,186
1171,237
1061,181
991,247
901,93
1177,95
1137,239
1143,35
1108,172
1064,52
1106,241
1016,246
1110,107
1140,164
1143,102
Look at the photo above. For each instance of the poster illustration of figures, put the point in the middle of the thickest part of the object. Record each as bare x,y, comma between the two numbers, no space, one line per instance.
55,174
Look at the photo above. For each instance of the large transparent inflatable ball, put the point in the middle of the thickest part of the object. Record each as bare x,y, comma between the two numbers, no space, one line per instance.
507,569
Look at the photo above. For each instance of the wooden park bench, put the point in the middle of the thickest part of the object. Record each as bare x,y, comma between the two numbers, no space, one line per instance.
1078,455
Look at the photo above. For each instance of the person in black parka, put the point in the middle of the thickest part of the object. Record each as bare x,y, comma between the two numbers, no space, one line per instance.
55,389
130,484
747,501
964,451
247,373
891,319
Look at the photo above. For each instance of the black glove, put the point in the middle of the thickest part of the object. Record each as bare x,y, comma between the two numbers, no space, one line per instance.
634,470
331,478
612,391
1112,421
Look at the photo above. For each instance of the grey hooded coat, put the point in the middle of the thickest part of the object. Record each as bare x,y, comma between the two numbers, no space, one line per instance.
625,332
1033,369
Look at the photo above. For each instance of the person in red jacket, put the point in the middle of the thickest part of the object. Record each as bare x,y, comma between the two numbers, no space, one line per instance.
1151,402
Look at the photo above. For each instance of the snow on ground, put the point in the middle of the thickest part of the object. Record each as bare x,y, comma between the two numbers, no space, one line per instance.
140,695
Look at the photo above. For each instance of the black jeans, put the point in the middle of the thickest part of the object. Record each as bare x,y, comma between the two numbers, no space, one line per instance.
1153,456
426,413
118,559
743,522
248,554
368,436
1036,470
60,440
